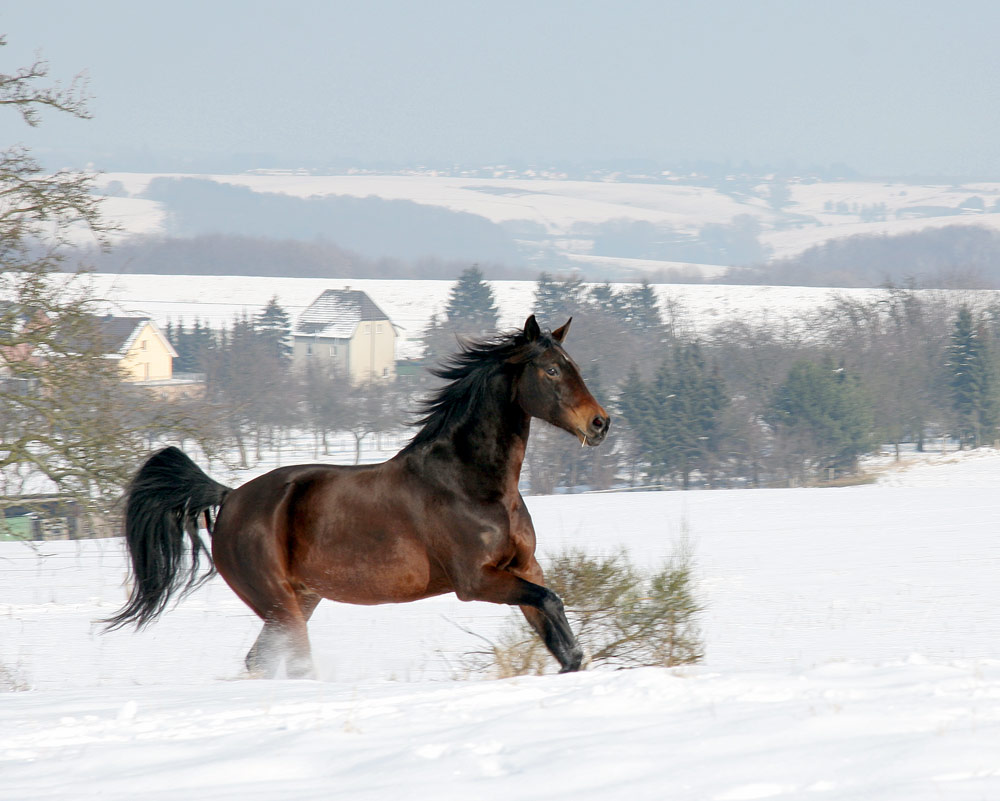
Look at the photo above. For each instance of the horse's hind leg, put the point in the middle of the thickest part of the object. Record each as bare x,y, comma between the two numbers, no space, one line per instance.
248,556
264,657
280,640
284,635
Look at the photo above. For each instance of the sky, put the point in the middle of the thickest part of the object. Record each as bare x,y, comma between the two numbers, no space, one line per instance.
888,87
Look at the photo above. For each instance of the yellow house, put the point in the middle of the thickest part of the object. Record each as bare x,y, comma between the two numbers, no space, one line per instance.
346,329
141,349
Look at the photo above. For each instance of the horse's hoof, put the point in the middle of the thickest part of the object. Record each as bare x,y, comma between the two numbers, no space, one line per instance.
575,662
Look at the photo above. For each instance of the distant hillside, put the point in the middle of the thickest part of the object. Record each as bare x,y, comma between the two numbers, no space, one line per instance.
952,257
619,228
373,227
226,254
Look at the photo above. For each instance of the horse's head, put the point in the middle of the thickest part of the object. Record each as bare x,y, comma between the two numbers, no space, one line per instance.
551,388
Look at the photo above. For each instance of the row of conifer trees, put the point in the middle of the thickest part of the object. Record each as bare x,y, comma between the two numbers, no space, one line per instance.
741,402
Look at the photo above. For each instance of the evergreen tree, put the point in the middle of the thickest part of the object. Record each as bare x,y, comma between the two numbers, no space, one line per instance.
696,398
202,342
823,416
274,327
676,417
635,410
662,430
193,345
557,299
643,310
242,371
604,299
972,382
175,335
472,308
471,312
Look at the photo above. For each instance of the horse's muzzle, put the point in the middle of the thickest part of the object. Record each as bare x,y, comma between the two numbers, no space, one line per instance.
597,430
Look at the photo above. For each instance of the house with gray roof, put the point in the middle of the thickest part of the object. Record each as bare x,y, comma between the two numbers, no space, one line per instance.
138,345
345,330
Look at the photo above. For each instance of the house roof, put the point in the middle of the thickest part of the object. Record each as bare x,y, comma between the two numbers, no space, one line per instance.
116,334
109,335
337,312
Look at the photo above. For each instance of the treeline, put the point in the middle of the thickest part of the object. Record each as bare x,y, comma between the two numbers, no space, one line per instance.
374,227
256,398
951,257
238,254
742,403
732,244
774,402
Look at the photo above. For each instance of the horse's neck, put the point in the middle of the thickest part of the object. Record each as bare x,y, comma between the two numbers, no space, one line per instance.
493,437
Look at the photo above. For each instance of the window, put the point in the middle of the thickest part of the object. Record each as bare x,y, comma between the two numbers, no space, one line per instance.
309,349
333,351
378,328
385,372
143,345
368,328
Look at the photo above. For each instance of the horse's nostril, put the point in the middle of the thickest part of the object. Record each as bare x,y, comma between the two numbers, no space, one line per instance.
598,423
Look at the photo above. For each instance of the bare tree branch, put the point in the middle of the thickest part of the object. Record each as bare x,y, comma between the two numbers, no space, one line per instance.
23,90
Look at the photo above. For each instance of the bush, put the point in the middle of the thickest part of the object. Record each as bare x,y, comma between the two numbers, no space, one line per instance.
624,617
10,681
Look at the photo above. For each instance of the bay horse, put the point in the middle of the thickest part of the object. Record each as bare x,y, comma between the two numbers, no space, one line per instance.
443,515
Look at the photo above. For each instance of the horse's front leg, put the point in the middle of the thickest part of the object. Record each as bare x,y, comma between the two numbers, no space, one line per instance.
542,608
554,629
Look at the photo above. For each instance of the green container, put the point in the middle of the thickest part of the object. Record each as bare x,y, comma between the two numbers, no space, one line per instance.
17,528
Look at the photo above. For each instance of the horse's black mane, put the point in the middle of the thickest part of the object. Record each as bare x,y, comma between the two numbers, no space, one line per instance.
468,373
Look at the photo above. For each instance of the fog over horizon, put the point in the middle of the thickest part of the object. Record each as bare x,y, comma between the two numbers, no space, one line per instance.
231,85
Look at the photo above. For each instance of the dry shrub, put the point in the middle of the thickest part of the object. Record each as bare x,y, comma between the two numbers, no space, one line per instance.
10,682
623,616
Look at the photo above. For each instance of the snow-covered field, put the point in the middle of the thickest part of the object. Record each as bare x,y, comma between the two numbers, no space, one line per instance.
852,652
218,299
561,207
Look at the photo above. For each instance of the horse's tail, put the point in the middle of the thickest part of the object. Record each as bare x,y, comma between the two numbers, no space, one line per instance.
162,504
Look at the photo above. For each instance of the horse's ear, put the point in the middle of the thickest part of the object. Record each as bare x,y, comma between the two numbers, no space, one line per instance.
560,333
531,329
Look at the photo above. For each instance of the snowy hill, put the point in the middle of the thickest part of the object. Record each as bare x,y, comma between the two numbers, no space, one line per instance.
851,653
563,217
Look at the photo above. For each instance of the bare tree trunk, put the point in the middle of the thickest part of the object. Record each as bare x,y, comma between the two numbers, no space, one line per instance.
241,445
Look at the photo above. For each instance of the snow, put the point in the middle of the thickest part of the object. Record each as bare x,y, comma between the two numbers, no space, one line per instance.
851,653
905,731
555,204
974,469
218,299
562,207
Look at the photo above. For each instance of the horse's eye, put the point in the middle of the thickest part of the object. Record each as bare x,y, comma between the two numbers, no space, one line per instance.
552,370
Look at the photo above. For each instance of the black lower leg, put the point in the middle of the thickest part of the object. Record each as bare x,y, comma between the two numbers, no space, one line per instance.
551,624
